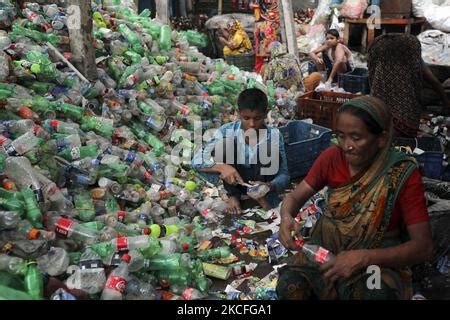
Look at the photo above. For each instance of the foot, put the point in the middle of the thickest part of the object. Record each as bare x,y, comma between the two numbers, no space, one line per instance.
234,206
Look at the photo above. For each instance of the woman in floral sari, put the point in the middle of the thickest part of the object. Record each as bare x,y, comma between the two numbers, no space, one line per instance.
375,214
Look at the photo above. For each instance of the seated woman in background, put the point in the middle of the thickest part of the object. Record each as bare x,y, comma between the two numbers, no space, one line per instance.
283,68
235,39
375,214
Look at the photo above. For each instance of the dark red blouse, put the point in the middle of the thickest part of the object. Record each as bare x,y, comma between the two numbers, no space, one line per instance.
331,169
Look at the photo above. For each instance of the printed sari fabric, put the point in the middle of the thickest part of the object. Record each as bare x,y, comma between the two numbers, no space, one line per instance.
283,69
356,217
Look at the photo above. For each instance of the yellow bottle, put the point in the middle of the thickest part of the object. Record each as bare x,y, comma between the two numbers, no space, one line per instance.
98,18
162,230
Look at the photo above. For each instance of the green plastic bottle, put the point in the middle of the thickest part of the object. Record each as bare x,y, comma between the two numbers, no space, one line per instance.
33,213
174,262
76,153
111,204
84,206
41,64
13,205
153,248
11,194
91,123
178,277
103,249
34,281
158,146
165,38
69,110
95,225
216,253
7,293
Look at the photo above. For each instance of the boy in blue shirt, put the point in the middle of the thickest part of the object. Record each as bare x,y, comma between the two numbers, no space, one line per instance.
245,153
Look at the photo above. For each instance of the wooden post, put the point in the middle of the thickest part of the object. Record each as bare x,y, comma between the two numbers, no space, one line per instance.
287,15
79,23
162,11
219,7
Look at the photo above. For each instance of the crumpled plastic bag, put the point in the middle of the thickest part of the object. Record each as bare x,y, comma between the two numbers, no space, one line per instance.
353,9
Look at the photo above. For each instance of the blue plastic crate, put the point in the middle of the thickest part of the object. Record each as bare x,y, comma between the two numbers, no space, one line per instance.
431,160
355,81
303,142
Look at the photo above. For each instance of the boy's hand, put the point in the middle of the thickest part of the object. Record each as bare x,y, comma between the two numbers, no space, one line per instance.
262,193
230,175
319,61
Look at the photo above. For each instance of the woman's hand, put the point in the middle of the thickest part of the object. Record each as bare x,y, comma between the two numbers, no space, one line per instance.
288,226
344,265
230,175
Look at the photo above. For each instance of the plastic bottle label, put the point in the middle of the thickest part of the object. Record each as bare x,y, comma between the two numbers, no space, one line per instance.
63,226
3,139
188,293
321,255
91,264
130,156
143,217
121,216
75,153
10,150
116,283
32,16
184,110
122,243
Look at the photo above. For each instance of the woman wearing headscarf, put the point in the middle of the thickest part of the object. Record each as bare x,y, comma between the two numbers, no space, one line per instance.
395,75
283,68
235,39
375,214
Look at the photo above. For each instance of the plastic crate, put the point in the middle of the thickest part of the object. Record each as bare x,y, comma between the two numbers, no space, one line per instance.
321,107
303,143
356,81
431,160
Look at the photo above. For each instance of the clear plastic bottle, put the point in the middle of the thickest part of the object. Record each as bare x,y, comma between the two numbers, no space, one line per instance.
9,220
13,265
314,252
187,293
113,186
22,144
138,289
92,273
117,281
69,228
55,262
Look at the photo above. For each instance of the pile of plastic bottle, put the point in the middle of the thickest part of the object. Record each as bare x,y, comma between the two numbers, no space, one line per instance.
94,204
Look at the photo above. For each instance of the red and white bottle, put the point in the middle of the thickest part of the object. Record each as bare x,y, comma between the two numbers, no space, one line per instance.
117,281
314,252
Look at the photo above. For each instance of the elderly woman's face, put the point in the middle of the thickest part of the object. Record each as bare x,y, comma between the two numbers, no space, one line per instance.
360,146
